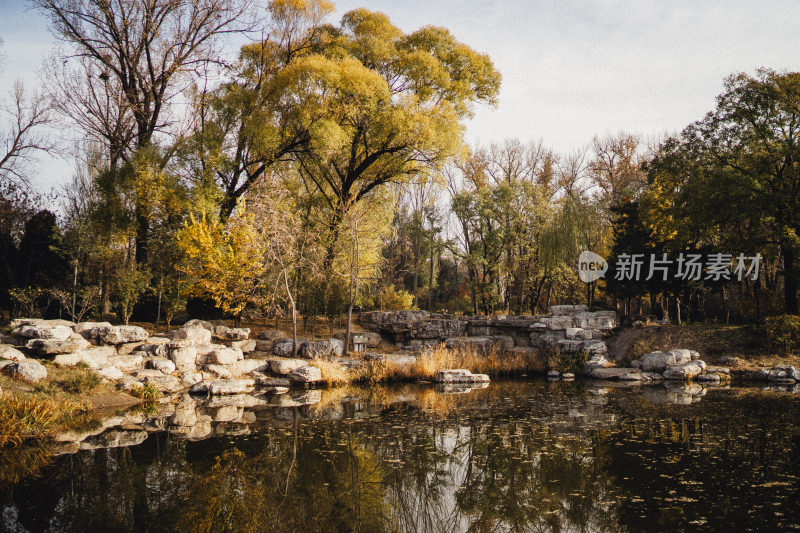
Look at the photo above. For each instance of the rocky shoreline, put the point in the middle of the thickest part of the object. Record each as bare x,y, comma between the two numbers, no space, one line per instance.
210,359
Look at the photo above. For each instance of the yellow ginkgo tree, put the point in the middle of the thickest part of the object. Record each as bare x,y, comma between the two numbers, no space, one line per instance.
224,261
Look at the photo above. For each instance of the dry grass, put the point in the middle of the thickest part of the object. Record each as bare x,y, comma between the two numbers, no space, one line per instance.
333,373
495,362
24,417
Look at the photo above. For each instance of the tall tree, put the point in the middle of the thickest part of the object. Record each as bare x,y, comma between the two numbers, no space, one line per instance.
149,47
739,167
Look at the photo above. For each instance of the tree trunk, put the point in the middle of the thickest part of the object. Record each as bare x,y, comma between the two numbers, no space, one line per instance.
789,279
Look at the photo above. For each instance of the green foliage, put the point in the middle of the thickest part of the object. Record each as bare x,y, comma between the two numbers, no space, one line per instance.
130,283
784,331
394,299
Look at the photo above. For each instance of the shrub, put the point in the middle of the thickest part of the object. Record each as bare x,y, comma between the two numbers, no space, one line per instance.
394,299
784,331
80,382
147,392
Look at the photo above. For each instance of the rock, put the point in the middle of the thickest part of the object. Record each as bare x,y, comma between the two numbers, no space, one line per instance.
53,346
225,356
285,347
709,376
191,378
129,347
285,366
310,397
196,323
114,438
127,363
246,346
220,371
263,346
271,335
73,359
19,322
459,375
567,375
110,372
659,361
683,371
633,375
597,361
107,334
162,364
554,374
322,349
190,336
184,357
224,386
56,333
246,366
84,328
11,353
595,347
28,370
480,344
305,374
162,382
263,380
231,334
614,373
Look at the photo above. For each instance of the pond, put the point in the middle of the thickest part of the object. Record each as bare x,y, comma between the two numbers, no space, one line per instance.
518,455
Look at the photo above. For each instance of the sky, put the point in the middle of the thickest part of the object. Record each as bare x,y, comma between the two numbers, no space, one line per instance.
571,69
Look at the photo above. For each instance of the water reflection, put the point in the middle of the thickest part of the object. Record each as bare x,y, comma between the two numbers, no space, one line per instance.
515,456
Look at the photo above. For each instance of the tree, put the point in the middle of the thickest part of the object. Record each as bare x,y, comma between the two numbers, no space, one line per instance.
224,261
148,47
130,283
21,136
739,167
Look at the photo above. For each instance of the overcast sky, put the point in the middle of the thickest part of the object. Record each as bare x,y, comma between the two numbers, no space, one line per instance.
571,69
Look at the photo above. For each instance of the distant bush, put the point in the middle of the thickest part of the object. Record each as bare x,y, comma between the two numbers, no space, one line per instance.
784,331
395,299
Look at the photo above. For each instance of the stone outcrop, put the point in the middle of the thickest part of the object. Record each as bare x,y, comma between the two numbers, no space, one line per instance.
569,328
459,375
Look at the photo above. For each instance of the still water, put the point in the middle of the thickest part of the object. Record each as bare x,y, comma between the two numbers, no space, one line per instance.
516,456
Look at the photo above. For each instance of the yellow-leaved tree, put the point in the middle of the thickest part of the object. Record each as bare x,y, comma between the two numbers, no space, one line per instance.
224,261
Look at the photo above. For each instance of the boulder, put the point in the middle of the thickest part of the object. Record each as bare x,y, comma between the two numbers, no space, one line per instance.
305,374
271,335
225,356
11,353
615,373
29,370
597,361
246,366
73,359
162,364
659,361
110,372
162,382
224,386
190,336
321,349
219,371
184,357
127,363
684,371
246,346
263,346
19,322
85,328
231,334
459,375
53,346
196,323
56,333
286,366
285,347
107,334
